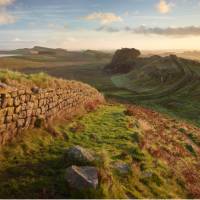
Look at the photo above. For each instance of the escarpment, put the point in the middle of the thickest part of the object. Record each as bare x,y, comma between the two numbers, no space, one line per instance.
23,108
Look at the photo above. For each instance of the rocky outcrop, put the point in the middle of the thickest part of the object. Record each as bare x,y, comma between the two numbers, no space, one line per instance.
123,60
82,178
23,108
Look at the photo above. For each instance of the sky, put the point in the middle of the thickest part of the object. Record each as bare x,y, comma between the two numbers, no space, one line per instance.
100,24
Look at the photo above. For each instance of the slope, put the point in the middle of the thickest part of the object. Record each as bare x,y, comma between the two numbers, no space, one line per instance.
162,155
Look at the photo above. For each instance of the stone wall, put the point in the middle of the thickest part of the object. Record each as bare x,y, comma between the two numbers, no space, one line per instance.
23,108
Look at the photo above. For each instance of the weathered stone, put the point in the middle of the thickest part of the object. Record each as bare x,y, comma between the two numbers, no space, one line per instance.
82,178
10,102
8,119
21,92
3,112
10,111
14,94
2,128
20,122
121,167
78,155
23,98
3,85
29,113
16,101
18,109
22,115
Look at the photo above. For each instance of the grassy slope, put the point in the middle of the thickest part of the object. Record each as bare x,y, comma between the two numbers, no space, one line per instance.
33,166
178,97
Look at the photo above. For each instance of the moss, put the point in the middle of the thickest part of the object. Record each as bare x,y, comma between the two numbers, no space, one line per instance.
182,130
136,137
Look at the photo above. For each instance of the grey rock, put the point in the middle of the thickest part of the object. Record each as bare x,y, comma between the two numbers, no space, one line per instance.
79,155
121,167
3,85
82,178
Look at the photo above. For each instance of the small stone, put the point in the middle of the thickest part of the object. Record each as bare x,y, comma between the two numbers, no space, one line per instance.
82,178
3,85
78,155
121,167
35,90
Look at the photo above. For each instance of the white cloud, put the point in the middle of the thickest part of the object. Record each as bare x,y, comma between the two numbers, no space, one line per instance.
164,7
168,31
6,18
104,18
6,2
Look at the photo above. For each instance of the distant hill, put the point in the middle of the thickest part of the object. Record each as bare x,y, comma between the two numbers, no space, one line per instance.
44,54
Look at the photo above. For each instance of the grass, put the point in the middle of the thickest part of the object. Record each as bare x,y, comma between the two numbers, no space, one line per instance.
41,80
34,165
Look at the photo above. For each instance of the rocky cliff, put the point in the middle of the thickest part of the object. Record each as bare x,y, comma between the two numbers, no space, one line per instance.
123,60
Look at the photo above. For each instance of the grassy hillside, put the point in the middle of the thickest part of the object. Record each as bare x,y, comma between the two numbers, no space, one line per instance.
167,84
162,155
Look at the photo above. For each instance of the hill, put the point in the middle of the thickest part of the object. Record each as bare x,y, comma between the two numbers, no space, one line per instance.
58,54
166,83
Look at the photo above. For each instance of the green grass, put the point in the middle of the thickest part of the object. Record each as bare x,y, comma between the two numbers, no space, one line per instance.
34,165
42,80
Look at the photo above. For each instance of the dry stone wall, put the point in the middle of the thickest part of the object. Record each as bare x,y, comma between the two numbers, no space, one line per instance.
23,108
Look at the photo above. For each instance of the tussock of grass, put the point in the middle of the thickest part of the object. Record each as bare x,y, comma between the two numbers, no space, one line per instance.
41,79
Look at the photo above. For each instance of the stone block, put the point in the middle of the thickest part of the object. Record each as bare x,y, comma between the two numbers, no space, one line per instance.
20,122
10,111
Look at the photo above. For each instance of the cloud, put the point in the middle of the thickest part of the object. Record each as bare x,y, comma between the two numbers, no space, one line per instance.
164,7
104,18
169,31
6,18
108,29
6,2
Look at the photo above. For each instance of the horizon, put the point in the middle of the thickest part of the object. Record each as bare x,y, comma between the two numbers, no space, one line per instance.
110,50
101,25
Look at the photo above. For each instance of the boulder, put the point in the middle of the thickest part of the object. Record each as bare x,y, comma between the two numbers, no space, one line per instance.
79,155
82,178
